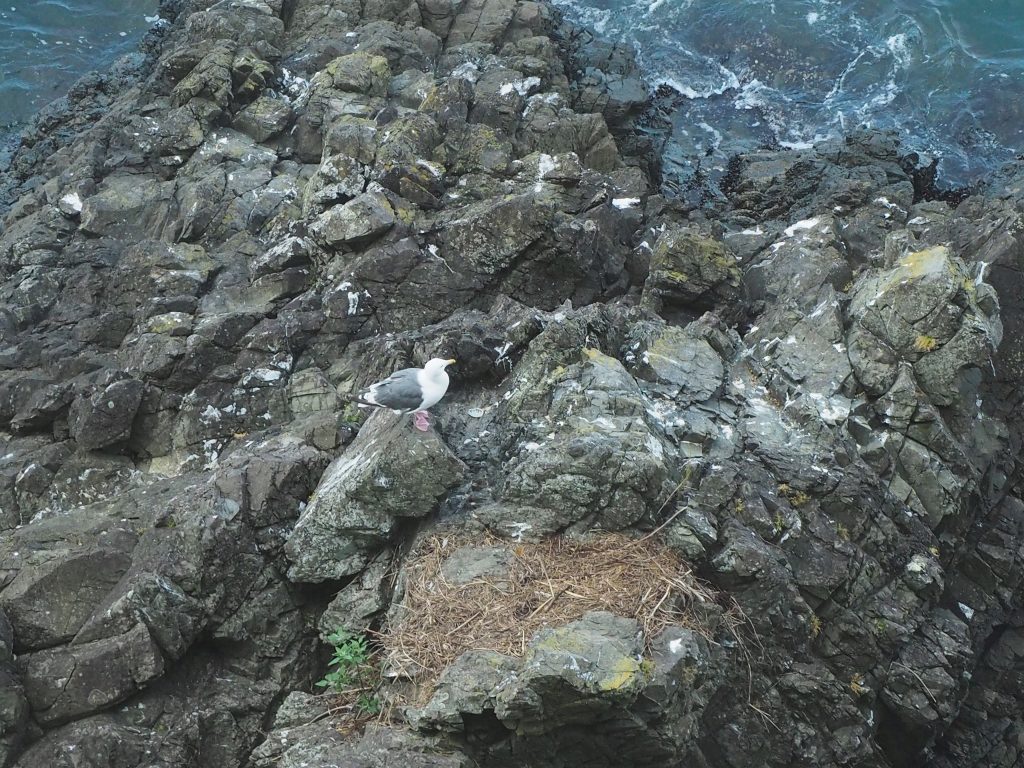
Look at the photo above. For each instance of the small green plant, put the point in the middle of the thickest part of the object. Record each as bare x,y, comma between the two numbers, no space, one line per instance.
354,675
351,655
780,522
367,704
796,498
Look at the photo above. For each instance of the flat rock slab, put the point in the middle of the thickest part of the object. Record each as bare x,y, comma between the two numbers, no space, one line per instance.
68,682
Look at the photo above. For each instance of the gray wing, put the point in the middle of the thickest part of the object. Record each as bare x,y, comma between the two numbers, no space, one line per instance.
399,391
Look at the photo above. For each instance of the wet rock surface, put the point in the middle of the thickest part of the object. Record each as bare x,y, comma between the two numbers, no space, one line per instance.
811,388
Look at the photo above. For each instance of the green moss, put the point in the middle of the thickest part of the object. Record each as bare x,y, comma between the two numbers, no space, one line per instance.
647,667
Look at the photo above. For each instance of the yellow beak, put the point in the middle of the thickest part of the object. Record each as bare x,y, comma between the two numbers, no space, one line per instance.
449,362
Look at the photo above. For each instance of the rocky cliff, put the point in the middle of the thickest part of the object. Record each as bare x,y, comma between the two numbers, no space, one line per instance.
808,391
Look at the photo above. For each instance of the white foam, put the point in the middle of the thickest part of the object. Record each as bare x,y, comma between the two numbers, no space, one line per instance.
729,82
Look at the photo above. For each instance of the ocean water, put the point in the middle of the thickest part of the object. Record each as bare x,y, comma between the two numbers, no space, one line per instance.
948,75
945,74
45,45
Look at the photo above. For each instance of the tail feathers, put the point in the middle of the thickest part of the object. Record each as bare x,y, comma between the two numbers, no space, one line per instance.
363,400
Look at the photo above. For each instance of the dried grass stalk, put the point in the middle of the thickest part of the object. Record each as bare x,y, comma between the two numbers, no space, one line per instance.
549,583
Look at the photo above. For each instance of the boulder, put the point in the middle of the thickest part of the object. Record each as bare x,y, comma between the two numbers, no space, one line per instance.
690,272
390,473
263,119
64,683
105,419
363,218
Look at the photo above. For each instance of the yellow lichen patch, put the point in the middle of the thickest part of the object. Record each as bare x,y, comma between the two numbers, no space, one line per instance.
623,673
925,343
677,277
598,357
162,325
930,261
562,640
815,625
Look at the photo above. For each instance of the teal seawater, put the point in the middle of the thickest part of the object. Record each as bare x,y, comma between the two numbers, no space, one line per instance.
948,75
45,45
945,74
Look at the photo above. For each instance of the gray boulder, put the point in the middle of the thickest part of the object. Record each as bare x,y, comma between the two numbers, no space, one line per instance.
390,473
105,419
65,683
365,217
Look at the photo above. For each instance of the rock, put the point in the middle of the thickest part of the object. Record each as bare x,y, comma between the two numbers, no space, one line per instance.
273,203
65,683
590,664
128,206
263,118
48,601
320,746
363,218
681,364
13,706
690,272
358,605
586,456
468,687
358,73
808,257
14,714
93,741
487,237
468,564
105,419
389,473
42,407
588,670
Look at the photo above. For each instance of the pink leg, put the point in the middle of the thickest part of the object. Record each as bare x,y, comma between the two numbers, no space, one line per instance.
421,421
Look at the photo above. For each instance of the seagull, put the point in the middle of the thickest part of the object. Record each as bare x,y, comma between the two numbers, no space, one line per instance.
411,390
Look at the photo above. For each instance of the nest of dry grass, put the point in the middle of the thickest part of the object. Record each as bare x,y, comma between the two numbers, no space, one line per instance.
548,583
